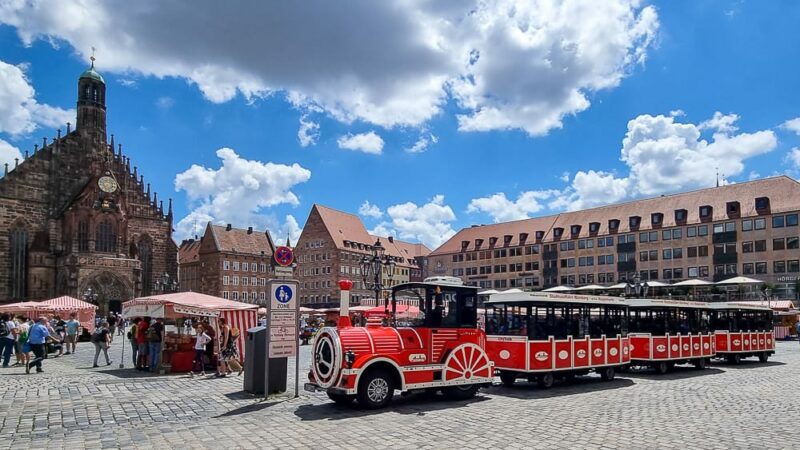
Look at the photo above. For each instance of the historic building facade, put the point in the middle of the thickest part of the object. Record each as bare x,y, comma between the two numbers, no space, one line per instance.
330,249
748,229
227,262
74,215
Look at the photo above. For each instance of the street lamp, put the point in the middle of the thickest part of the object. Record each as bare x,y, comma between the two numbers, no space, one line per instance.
636,289
373,267
165,284
90,296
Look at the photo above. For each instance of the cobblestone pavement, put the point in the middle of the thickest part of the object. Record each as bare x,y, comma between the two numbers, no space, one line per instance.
71,405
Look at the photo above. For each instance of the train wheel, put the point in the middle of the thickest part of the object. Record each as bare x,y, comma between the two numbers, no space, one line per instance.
545,381
608,373
508,378
661,368
341,399
462,392
734,359
375,390
763,357
700,364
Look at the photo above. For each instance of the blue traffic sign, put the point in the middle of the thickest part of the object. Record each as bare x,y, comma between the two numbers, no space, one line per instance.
283,293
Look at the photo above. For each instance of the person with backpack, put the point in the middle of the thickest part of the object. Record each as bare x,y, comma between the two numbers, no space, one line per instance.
60,327
155,334
8,338
101,338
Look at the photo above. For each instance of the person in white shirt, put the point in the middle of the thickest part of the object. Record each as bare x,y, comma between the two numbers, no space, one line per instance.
8,338
200,349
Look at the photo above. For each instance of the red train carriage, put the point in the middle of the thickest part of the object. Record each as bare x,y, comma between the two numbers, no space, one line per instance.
441,350
741,331
544,336
664,333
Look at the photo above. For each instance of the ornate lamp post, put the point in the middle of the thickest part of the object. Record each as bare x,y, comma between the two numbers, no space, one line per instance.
637,289
372,269
165,284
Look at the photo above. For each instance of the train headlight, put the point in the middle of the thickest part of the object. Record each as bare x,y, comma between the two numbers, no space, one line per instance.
349,358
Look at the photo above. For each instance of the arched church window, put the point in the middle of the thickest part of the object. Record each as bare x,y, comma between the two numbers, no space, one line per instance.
18,247
94,94
146,257
106,239
83,236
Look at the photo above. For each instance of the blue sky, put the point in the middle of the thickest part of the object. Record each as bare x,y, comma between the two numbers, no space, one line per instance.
519,114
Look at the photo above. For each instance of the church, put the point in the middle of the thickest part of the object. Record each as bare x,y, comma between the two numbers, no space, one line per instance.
76,217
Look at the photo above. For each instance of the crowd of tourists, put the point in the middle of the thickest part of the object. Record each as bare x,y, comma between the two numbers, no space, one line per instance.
20,336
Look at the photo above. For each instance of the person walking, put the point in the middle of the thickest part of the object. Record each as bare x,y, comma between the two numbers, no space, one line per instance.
200,350
8,338
22,340
155,336
101,338
37,338
60,326
73,327
132,340
112,325
141,341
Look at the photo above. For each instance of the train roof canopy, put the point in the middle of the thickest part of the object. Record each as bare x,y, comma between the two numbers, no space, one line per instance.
518,298
663,303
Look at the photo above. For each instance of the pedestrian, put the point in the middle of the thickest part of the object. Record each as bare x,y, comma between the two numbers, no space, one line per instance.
112,324
122,325
199,350
23,355
37,338
8,338
132,339
60,327
155,335
141,341
101,338
210,344
73,330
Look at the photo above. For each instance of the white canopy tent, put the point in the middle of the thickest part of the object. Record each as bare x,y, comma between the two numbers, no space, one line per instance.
591,287
559,289
739,280
693,282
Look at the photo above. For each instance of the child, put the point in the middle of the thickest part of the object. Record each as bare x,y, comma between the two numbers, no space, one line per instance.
200,349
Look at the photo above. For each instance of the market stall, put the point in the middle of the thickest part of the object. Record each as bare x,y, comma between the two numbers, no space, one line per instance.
28,309
177,349
66,305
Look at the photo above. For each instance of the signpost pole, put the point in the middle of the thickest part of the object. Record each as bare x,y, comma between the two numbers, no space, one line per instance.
297,353
282,315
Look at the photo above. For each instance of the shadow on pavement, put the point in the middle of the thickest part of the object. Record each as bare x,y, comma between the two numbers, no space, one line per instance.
749,364
417,404
254,407
580,385
677,373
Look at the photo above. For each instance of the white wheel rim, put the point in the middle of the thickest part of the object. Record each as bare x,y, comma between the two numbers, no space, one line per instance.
466,362
327,357
377,390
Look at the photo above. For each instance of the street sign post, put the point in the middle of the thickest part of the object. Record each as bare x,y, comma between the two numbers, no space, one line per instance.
282,314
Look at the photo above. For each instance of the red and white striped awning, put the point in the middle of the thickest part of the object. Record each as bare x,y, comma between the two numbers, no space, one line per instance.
67,303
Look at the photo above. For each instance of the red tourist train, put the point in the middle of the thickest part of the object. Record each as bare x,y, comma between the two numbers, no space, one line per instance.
442,350
742,331
544,336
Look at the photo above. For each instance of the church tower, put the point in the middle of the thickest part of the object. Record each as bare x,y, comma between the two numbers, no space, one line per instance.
92,104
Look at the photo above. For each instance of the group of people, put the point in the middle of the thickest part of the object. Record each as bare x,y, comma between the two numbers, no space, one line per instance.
21,336
228,360
146,336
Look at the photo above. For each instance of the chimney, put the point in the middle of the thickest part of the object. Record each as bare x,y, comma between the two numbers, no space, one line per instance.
249,230
228,228
391,239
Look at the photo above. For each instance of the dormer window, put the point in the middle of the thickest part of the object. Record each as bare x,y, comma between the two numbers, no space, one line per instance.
613,225
634,221
507,239
732,208
478,243
594,227
539,236
522,238
705,212
656,219
464,245
492,241
680,215
558,232
575,230
762,204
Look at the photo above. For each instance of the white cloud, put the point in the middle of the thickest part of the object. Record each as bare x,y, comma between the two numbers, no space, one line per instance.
308,133
502,209
793,157
364,142
564,177
367,209
422,143
20,113
165,102
508,64
127,82
382,230
289,229
238,191
429,223
665,156
7,154
792,125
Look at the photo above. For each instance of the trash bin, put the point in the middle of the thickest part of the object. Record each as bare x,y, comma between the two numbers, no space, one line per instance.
255,355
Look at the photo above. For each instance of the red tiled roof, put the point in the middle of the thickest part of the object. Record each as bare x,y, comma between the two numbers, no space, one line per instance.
783,193
189,251
241,241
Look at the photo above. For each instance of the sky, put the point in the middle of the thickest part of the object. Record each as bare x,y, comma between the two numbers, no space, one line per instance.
423,117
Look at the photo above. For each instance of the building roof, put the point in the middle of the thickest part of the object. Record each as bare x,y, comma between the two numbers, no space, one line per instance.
238,240
189,251
783,193
347,232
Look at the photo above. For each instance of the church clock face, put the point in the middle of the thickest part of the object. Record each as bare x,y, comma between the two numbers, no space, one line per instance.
107,184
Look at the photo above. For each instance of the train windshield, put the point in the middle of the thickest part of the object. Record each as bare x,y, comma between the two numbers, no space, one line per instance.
439,306
539,321
737,320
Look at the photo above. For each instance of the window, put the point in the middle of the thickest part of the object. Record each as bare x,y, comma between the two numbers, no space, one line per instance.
18,246
703,271
747,225
792,242
677,273
693,273
236,265
667,253
594,227
730,226
106,237
653,255
747,247
761,246
225,280
677,253
793,266
262,268
778,221
666,235
634,222
262,296
761,267
235,280
626,238
225,295
691,231
748,269
779,266
719,228
791,220
642,256
680,215
83,236
760,224
234,295
667,274
778,244
656,218
702,250
245,267
517,251
705,211
702,230
691,252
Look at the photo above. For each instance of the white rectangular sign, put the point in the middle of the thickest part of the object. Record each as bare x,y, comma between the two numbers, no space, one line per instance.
282,319
285,272
280,349
277,333
283,296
